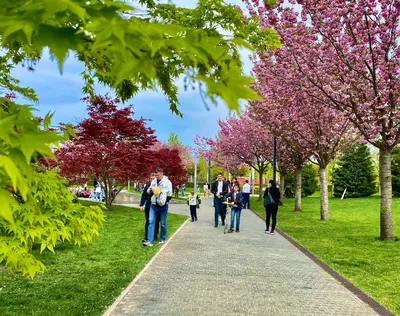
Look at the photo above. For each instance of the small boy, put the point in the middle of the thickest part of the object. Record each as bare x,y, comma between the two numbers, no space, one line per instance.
194,203
236,197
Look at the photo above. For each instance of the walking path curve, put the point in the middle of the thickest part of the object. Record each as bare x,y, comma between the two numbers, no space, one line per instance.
202,271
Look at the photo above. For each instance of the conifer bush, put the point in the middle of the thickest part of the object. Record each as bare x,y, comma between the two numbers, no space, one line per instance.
354,171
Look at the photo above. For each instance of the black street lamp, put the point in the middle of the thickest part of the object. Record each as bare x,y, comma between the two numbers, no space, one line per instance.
274,161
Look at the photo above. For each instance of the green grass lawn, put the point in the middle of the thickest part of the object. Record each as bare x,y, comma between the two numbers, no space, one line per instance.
348,242
83,281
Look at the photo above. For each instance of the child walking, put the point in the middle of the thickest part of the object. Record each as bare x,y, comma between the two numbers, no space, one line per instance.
236,197
194,203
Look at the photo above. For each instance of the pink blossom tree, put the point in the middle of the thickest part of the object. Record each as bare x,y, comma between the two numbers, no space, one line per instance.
349,55
207,149
280,120
246,141
300,121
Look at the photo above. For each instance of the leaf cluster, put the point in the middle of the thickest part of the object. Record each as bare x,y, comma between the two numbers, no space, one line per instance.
35,207
46,218
134,52
23,138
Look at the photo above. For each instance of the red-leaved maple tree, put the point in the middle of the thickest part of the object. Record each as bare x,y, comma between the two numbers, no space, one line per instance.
172,159
110,145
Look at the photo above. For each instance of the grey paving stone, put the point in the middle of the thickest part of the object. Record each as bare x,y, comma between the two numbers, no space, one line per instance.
202,271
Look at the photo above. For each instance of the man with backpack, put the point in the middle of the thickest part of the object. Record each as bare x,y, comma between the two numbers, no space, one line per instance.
161,193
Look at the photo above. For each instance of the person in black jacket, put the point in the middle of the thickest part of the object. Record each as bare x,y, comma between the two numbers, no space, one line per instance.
219,189
271,201
145,203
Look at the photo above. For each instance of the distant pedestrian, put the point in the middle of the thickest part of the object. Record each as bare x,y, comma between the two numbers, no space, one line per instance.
236,197
194,202
97,191
183,189
145,203
177,191
219,189
229,185
271,202
206,189
246,194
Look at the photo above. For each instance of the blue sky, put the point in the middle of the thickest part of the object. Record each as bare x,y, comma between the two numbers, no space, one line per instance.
62,94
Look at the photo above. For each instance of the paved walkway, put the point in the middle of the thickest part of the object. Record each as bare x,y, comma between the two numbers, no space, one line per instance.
201,271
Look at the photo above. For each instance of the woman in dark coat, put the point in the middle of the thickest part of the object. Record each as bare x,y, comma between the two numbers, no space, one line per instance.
271,201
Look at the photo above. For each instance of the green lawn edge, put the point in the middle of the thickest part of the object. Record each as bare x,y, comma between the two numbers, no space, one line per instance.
85,280
348,242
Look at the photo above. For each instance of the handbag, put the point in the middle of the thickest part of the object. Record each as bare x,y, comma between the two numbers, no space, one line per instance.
268,200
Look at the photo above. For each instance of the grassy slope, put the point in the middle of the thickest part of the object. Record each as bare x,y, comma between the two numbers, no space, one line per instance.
83,281
348,242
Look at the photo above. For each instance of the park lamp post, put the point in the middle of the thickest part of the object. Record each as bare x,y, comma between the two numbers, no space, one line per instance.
195,160
274,162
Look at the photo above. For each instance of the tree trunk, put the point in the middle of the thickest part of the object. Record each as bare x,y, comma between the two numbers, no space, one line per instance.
323,190
297,207
107,194
260,174
282,186
385,178
107,197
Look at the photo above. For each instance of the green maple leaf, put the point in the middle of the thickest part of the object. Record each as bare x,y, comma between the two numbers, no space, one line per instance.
6,201
12,171
37,142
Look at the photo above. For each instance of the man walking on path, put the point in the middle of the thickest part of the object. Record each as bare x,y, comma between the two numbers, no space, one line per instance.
219,189
145,203
161,193
246,194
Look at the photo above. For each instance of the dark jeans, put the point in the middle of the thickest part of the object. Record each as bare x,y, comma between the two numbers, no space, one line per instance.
235,213
193,212
246,200
146,226
219,209
271,209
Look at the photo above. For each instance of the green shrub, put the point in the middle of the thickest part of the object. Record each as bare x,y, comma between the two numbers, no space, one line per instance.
396,171
309,182
354,171
48,217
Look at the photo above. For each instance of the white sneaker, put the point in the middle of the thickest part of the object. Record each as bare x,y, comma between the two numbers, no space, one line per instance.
272,233
266,231
162,242
147,244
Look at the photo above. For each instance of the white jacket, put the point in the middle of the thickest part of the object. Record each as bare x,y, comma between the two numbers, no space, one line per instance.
165,186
